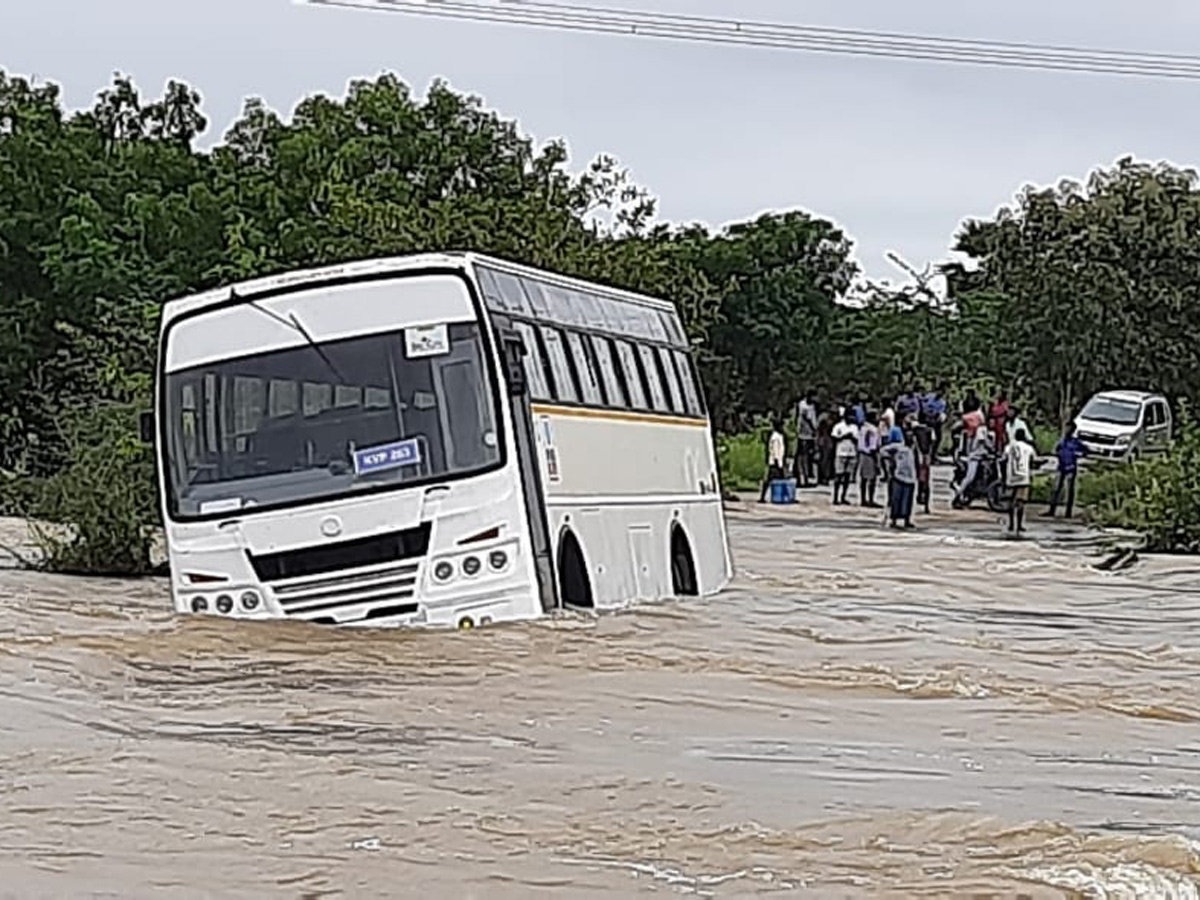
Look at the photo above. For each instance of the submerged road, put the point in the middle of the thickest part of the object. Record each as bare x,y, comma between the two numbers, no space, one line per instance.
863,713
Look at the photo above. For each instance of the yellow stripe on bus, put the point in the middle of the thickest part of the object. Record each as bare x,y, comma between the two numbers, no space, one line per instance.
615,416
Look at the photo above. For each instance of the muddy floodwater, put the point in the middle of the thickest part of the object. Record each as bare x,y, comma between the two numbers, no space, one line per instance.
863,713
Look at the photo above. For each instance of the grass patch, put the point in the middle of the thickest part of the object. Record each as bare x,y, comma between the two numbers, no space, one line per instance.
742,460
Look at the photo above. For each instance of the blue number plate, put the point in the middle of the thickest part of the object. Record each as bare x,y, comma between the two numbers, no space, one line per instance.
387,456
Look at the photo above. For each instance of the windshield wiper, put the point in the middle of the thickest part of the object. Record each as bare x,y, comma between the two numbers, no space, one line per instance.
296,325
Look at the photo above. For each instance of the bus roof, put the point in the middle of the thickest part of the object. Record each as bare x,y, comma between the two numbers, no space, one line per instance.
368,267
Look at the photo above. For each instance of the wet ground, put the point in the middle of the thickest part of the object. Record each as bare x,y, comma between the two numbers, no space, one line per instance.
943,713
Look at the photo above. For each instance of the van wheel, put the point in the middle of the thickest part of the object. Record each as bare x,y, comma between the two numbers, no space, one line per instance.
574,586
683,568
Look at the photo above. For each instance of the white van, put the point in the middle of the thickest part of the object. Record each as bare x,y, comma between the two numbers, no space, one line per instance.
1125,425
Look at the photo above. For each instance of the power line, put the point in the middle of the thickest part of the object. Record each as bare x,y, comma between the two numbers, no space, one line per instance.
786,36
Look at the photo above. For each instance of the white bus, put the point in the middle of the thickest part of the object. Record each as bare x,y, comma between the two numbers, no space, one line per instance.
442,440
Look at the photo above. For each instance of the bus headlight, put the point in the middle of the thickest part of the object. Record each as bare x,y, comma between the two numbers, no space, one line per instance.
483,564
224,604
199,605
249,601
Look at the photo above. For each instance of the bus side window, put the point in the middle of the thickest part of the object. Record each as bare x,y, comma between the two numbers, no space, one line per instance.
691,392
650,374
631,373
584,369
535,363
556,352
503,291
614,386
283,398
670,379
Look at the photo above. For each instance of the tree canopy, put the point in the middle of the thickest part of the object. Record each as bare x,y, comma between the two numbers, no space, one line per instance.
109,211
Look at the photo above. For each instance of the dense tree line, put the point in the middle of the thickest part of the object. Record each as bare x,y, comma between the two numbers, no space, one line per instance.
109,211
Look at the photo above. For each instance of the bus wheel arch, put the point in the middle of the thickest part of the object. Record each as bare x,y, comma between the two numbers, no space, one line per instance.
574,582
684,582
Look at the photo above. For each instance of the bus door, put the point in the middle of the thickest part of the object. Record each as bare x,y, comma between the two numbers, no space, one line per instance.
513,352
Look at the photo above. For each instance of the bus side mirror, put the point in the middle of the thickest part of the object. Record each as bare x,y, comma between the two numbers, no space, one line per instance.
146,427
514,363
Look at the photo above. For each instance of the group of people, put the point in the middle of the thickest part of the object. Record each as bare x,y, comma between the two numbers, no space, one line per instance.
898,441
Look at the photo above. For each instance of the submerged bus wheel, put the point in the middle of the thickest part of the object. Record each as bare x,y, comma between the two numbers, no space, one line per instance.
683,567
575,588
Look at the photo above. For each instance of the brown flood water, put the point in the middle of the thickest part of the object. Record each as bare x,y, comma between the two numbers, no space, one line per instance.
938,714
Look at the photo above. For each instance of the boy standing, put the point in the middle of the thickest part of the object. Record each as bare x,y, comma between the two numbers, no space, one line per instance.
1018,476
903,480
776,450
1069,451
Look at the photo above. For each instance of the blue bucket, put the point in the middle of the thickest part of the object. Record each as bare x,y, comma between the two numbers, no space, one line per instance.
783,490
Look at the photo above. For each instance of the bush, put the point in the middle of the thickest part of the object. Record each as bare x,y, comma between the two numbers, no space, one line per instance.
1159,498
1095,485
97,515
741,461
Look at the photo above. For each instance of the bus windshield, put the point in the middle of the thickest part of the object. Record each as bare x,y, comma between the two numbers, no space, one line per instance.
314,422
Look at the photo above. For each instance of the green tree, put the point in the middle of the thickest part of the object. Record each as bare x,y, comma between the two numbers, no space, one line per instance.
778,279
1080,287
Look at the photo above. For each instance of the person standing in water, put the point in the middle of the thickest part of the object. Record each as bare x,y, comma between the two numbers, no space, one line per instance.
1018,476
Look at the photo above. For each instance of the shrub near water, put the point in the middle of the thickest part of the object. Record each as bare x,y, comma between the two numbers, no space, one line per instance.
742,460
97,514
1158,498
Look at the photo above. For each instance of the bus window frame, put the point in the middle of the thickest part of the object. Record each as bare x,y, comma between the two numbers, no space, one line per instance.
585,371
487,337
536,370
623,360
693,393
659,401
641,327
547,331
614,370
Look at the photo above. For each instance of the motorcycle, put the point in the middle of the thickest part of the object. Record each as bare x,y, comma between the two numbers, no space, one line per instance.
988,485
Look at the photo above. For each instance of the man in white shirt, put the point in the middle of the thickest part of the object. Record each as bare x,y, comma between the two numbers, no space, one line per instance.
1016,423
845,457
1018,476
776,450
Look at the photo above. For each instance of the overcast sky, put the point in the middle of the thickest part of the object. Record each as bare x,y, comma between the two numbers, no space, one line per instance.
897,153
